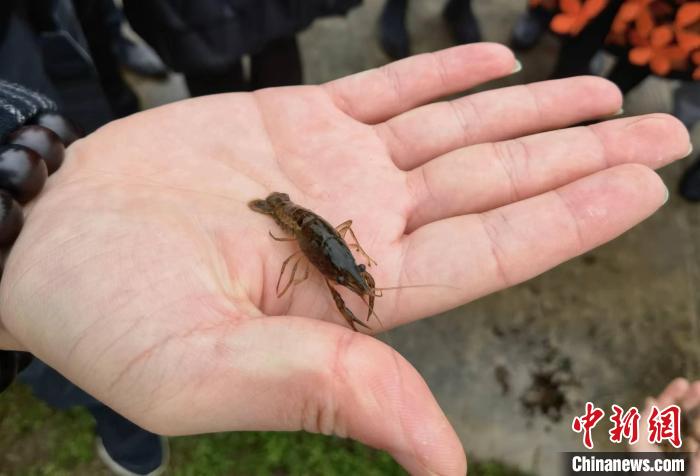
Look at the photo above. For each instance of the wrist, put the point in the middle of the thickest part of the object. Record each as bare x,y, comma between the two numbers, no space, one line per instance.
32,142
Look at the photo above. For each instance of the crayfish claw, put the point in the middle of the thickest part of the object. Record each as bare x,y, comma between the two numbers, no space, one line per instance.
344,310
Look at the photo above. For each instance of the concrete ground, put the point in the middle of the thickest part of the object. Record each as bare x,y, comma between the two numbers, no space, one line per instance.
511,370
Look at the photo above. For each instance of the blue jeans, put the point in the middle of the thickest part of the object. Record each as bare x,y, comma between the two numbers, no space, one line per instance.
131,446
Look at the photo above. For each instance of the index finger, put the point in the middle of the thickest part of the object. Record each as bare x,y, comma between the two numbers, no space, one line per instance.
378,94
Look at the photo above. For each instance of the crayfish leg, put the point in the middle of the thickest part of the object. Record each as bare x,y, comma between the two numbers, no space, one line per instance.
345,227
280,239
370,281
344,310
284,266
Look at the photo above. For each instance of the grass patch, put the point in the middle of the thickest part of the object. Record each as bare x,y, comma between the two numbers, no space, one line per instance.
36,440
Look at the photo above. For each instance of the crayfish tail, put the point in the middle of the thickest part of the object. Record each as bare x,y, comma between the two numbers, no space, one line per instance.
260,206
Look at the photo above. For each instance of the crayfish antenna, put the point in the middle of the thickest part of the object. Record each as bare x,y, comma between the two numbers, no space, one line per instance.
393,288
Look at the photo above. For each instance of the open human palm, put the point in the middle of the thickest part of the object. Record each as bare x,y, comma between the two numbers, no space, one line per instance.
142,275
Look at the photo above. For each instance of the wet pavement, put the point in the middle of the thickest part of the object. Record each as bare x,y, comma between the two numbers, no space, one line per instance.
613,326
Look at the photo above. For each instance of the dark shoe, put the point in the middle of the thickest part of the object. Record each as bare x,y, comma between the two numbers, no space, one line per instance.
127,449
393,35
528,30
690,182
462,22
155,447
139,59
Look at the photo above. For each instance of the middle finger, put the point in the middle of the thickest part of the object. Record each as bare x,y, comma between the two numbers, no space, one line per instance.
421,134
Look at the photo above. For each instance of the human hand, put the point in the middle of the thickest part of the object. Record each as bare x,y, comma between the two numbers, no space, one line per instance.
143,277
687,396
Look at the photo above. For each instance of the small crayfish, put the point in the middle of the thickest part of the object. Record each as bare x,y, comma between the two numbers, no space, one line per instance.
325,247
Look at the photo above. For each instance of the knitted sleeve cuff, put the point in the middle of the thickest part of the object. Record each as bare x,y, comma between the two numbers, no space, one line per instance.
19,105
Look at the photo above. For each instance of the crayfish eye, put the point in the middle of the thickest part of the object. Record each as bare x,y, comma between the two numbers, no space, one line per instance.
362,268
340,279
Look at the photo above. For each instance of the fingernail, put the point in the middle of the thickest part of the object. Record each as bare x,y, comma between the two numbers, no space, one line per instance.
690,151
617,113
518,67
667,195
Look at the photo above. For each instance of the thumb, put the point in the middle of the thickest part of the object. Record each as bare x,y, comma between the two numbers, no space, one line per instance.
289,373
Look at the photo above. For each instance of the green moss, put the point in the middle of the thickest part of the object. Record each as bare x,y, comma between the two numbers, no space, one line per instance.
493,468
36,440
277,454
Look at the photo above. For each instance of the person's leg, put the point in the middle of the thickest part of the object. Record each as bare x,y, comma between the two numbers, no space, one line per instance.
137,57
218,82
626,75
529,28
127,445
122,99
12,363
575,57
393,35
112,18
577,52
686,107
278,64
686,103
463,24
122,444
689,186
